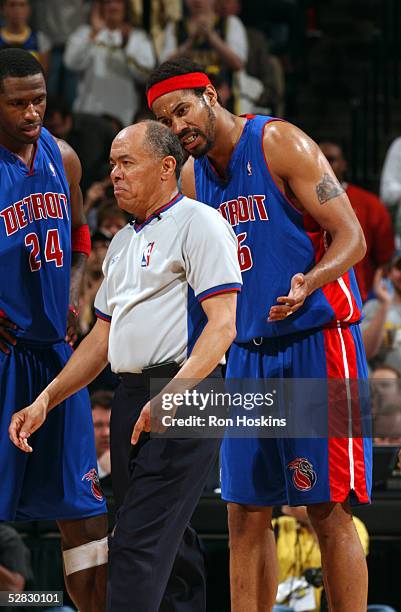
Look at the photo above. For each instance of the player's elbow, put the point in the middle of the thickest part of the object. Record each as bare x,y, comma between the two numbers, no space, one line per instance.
360,246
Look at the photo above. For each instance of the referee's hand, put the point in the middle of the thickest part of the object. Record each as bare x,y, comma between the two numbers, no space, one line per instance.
25,422
142,424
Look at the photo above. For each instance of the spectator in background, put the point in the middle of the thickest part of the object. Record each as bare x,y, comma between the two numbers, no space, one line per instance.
153,17
91,282
17,33
90,136
385,383
387,426
390,183
96,195
261,64
299,560
381,324
218,44
112,58
386,405
15,564
58,20
101,412
111,218
372,215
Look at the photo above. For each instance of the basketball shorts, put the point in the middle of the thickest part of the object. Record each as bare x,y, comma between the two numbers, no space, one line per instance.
300,471
58,480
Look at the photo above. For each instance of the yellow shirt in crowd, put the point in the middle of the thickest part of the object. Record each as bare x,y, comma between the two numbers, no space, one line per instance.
298,549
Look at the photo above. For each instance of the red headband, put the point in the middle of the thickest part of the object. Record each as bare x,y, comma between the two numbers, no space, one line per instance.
182,81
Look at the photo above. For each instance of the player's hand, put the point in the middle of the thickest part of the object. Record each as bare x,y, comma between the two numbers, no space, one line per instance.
72,327
5,335
293,301
26,421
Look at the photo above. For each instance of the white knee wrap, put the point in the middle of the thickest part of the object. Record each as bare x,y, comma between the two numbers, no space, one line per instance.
85,556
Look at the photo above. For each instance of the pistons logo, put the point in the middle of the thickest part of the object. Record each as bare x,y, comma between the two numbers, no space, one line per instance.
93,478
303,475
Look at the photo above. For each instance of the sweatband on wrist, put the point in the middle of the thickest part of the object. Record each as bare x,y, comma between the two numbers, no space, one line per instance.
81,240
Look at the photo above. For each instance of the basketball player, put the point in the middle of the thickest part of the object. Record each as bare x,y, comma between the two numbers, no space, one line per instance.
297,317
43,241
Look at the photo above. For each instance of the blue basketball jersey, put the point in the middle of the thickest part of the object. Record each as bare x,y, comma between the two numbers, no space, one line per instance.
35,242
275,241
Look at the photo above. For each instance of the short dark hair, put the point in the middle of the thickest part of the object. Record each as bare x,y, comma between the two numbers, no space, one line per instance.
18,63
162,142
173,68
102,398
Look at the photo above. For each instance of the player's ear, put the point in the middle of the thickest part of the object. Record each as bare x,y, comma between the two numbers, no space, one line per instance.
210,95
168,167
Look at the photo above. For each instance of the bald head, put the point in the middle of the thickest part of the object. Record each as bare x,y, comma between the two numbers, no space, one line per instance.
146,160
156,139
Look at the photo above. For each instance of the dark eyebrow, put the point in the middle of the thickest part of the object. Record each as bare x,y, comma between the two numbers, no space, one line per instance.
178,105
173,110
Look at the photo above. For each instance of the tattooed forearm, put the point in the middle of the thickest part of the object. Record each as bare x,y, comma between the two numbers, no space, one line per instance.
328,188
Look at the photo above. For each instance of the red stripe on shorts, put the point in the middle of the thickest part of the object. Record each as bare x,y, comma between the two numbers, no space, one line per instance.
346,456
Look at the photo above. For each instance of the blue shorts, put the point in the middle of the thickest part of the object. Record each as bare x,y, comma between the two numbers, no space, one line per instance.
299,471
59,479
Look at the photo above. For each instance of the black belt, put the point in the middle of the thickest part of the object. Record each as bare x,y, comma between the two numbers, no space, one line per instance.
162,371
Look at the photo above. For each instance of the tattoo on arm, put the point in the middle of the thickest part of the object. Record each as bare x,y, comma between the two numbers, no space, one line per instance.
328,188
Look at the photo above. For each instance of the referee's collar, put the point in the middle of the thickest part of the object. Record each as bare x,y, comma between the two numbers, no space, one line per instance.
156,213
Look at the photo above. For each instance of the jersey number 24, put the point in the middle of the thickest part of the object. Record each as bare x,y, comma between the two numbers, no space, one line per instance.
52,251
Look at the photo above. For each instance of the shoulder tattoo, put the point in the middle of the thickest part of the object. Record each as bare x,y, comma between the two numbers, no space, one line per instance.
328,188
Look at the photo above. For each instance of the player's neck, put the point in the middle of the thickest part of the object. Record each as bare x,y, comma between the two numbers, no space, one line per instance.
25,152
229,129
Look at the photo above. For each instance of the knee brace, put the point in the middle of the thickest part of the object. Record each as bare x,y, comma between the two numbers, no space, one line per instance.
85,556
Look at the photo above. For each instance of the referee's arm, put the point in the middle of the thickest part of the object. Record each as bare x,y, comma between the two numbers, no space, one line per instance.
85,364
215,339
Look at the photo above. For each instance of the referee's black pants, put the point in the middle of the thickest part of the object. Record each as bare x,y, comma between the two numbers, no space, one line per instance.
155,560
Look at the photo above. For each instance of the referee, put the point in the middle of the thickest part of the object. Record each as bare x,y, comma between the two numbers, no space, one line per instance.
166,308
